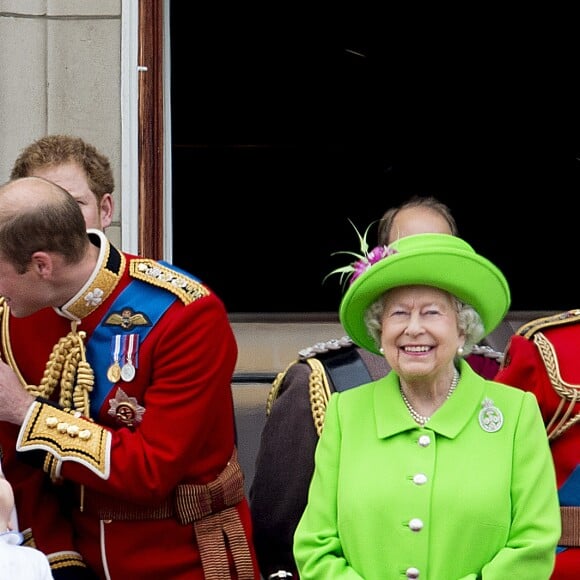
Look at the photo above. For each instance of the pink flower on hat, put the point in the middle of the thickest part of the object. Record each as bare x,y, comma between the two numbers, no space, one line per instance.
365,259
374,256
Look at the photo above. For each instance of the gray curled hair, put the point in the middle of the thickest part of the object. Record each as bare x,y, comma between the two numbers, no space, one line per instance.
469,322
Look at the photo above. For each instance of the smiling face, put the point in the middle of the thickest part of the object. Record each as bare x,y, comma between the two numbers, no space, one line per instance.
420,336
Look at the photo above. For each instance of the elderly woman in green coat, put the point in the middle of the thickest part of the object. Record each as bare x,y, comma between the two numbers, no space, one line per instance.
432,472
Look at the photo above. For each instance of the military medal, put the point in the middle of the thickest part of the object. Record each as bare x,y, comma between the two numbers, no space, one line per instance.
128,369
128,372
114,372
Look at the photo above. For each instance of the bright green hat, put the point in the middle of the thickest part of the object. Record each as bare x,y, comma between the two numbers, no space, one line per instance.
439,260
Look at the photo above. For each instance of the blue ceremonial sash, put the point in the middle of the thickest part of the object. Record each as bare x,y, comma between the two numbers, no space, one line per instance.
569,494
140,297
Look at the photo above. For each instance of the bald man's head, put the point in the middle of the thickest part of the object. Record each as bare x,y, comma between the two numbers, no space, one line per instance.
38,215
26,194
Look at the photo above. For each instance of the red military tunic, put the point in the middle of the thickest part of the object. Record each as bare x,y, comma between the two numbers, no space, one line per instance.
141,505
543,357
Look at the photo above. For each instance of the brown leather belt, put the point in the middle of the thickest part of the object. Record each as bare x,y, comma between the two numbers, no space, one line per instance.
570,526
210,508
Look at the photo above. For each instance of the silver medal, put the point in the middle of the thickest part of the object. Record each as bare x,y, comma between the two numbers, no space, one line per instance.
127,372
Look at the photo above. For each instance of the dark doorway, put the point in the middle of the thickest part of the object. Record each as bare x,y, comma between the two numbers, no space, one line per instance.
281,134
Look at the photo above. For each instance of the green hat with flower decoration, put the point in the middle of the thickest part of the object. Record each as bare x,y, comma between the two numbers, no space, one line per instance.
439,260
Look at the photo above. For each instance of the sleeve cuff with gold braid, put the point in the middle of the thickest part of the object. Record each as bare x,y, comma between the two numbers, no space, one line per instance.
65,437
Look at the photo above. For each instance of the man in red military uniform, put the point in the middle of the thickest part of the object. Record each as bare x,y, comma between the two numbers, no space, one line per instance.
86,174
542,357
122,391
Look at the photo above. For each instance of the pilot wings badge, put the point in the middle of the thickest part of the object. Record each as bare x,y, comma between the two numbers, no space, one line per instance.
127,319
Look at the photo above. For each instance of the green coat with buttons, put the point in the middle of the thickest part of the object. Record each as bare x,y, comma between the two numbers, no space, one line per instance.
470,495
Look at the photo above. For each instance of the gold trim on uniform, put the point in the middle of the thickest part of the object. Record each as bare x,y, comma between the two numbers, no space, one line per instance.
100,287
103,284
63,560
28,538
318,391
564,416
562,419
58,560
275,388
186,289
530,328
67,437
6,344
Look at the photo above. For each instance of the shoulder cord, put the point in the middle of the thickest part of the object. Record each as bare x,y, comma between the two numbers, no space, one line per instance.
273,394
318,390
566,391
66,366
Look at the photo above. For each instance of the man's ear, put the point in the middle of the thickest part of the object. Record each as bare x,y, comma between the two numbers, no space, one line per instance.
42,264
106,210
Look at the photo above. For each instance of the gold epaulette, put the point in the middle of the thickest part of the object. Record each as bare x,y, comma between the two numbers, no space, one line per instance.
187,289
530,328
318,387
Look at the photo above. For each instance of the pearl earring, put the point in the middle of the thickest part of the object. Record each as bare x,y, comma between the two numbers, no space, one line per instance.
382,350
460,351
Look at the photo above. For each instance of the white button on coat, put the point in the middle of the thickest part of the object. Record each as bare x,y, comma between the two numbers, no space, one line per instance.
419,479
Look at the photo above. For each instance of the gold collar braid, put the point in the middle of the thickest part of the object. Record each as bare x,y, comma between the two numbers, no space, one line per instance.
566,391
67,367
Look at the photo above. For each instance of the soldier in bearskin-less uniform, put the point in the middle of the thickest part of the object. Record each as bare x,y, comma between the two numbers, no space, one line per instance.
86,174
120,394
542,357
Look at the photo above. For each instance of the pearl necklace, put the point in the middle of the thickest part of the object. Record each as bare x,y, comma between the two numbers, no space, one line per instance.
422,419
